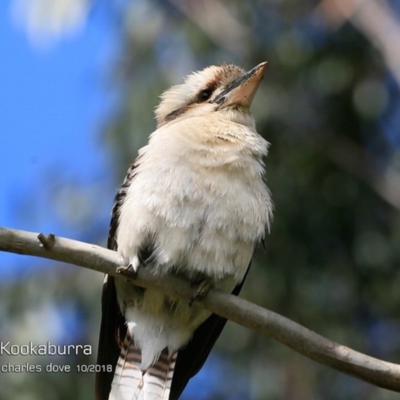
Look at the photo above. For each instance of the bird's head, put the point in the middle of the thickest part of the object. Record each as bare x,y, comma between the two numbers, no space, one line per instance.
225,89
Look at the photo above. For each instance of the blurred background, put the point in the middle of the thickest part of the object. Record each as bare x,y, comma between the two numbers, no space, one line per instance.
79,80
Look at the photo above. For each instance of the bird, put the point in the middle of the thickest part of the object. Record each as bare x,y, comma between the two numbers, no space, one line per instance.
193,204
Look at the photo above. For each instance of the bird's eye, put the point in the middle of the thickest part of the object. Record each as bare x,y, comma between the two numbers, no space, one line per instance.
204,95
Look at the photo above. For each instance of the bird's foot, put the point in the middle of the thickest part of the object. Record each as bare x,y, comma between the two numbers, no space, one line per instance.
201,290
131,271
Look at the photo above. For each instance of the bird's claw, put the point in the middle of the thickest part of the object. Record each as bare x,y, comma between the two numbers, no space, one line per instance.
201,291
130,272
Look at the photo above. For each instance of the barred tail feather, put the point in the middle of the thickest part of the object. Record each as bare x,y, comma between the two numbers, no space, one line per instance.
157,379
128,376
131,383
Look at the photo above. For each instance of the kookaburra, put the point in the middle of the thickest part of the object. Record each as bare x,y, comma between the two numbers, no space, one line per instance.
194,204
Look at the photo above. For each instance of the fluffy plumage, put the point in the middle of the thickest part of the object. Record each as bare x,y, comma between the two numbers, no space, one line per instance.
194,204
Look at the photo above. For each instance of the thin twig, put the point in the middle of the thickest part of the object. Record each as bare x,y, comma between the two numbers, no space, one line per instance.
268,323
47,241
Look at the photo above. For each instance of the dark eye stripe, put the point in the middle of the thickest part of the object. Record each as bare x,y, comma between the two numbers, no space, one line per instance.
202,97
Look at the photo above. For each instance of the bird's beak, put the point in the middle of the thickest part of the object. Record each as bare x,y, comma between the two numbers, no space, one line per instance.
242,90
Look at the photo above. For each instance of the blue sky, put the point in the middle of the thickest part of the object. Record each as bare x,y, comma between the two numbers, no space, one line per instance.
53,101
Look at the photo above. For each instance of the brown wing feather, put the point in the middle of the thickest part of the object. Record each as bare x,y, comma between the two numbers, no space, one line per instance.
113,327
112,323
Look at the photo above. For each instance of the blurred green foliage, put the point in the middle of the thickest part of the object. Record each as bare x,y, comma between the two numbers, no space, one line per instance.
331,261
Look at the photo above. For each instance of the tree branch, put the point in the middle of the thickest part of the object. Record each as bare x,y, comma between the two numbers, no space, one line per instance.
268,323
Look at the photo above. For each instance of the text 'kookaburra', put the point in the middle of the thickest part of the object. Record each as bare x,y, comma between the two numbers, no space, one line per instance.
194,204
